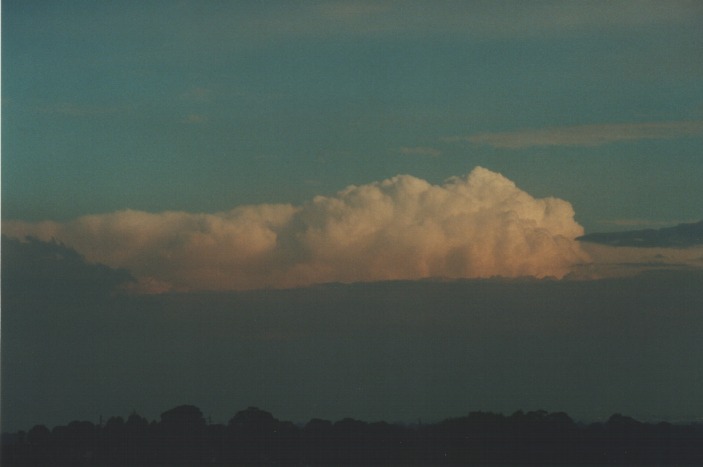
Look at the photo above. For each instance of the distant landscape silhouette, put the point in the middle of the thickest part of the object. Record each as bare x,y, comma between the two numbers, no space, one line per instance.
254,436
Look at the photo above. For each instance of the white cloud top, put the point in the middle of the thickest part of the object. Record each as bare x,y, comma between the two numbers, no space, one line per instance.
481,225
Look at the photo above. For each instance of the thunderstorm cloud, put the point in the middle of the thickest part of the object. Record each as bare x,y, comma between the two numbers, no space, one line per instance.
481,225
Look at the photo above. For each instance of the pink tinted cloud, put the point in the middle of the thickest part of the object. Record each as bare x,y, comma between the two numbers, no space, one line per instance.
480,225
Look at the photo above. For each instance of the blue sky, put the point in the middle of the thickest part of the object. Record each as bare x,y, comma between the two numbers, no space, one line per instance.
204,106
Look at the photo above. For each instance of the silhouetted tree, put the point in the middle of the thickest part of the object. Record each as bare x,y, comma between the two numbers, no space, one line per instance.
138,439
114,441
182,435
38,436
254,436
39,439
217,442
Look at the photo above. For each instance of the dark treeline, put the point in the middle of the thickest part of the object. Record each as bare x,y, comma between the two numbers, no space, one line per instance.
182,436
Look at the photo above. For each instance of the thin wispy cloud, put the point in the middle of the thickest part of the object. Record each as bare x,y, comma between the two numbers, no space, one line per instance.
643,223
352,10
479,19
679,236
195,119
70,109
259,23
198,94
584,135
420,151
622,261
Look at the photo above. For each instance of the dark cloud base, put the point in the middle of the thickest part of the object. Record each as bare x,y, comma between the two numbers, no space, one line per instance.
387,350
680,236
54,272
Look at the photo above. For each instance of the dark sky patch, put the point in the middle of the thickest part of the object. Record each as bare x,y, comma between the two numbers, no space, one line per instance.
398,350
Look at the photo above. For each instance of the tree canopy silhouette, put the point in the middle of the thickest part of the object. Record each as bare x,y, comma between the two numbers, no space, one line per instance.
254,436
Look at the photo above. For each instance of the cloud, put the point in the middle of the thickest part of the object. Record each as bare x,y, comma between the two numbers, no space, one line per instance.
49,270
198,94
584,135
618,254
401,228
473,19
420,151
351,10
636,223
682,235
195,119
619,261
69,109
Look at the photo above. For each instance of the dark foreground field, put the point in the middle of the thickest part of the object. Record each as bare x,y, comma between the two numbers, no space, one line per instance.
253,436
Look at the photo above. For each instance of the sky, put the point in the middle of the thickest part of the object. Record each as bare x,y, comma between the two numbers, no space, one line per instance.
204,106
239,155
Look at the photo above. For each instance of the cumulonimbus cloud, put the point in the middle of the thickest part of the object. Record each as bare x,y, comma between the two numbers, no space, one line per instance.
584,135
480,225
